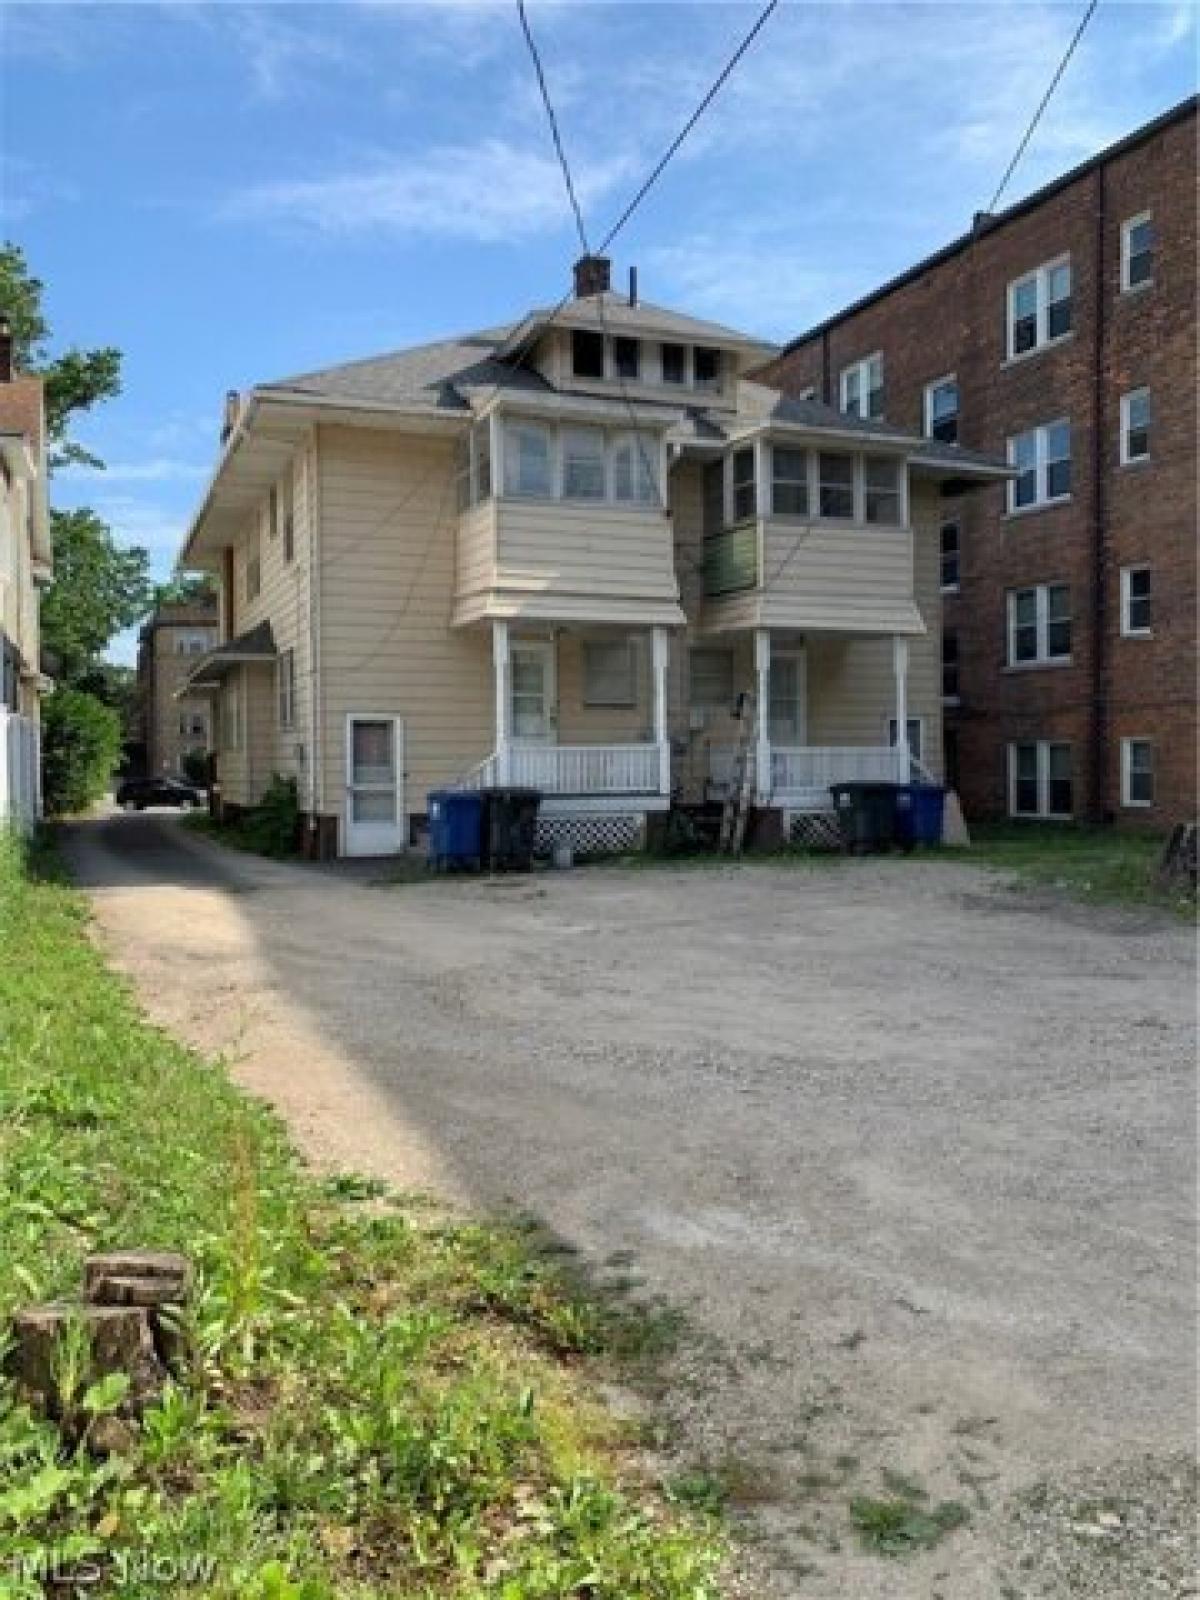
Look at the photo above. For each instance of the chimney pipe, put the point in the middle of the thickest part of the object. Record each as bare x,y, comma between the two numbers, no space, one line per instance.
633,286
593,275
6,350
233,404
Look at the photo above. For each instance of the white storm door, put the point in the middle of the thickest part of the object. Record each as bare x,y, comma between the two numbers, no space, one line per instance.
374,785
531,669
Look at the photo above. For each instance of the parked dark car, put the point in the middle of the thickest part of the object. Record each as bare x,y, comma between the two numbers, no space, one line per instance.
135,794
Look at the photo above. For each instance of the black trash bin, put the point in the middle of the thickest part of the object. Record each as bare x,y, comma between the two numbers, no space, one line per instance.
509,828
866,814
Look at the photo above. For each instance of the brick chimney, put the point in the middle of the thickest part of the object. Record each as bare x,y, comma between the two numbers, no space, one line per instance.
593,275
6,350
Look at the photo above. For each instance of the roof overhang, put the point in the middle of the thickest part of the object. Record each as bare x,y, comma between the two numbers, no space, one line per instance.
271,427
22,460
554,405
254,648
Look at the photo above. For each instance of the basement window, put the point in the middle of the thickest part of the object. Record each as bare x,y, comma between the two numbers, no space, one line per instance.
1039,780
587,353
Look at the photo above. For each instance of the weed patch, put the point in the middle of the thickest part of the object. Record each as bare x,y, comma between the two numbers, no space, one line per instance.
899,1526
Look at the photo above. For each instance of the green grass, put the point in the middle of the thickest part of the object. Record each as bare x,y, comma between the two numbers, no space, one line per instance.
376,1401
244,832
900,1526
1099,865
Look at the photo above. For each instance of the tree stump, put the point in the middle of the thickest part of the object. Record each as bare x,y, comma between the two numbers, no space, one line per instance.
137,1278
118,1339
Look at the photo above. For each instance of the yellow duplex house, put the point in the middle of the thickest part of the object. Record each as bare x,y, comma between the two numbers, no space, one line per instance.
565,553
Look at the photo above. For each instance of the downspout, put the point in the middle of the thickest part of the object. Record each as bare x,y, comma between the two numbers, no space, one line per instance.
1098,775
315,708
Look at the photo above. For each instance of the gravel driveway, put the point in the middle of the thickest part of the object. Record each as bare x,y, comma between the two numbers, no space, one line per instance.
912,1149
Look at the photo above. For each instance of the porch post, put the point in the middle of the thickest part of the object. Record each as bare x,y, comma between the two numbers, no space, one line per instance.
659,643
762,666
501,676
900,671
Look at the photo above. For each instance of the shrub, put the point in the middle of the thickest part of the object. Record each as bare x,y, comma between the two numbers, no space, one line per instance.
81,745
195,767
273,826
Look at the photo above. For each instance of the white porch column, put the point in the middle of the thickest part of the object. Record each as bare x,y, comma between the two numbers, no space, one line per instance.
659,649
501,674
900,671
762,666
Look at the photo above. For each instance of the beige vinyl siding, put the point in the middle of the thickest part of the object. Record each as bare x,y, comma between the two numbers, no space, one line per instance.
387,562
283,601
579,723
554,559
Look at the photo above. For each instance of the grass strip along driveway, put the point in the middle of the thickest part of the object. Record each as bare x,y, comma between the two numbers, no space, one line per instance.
374,1401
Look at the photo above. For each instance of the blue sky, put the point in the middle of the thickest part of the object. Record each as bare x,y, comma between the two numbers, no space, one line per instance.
233,193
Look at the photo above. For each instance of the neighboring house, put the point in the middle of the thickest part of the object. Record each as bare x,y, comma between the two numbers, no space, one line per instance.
555,553
25,568
174,724
1063,332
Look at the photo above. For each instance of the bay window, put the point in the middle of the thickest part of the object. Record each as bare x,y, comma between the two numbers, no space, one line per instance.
583,463
835,477
528,460
789,481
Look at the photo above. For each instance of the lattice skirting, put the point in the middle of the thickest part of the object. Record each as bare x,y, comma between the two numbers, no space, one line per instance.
599,833
813,830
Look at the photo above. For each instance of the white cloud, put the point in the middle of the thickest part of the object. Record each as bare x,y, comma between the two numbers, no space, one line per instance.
155,469
492,192
27,186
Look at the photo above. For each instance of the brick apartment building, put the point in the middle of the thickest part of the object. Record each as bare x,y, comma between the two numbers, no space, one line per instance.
1062,331
168,647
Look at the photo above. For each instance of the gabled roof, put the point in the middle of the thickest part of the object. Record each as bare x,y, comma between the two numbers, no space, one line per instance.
613,311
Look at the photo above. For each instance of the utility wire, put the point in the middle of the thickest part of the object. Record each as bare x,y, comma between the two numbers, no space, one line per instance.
553,120
1045,101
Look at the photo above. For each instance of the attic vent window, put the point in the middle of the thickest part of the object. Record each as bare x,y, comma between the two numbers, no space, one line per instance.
674,363
707,367
587,353
627,357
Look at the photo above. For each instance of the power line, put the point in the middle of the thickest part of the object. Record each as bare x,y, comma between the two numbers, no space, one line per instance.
553,120
671,150
1045,101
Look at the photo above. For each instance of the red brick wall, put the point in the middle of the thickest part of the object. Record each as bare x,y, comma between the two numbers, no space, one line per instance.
951,318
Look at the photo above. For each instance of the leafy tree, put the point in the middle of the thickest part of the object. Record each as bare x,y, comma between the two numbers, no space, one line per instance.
186,588
76,380
81,744
98,589
117,686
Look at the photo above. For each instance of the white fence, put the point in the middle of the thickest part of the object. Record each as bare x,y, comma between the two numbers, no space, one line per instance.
20,771
576,769
801,771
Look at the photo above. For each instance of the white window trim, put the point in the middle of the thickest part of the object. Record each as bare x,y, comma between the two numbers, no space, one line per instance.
916,751
863,368
1043,658
285,688
1041,275
1126,459
1043,812
1041,435
930,389
1127,800
1127,228
1128,632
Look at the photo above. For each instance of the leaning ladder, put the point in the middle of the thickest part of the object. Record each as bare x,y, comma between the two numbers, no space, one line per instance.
741,788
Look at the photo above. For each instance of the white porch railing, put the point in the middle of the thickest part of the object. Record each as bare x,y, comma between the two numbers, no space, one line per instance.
576,769
20,771
817,767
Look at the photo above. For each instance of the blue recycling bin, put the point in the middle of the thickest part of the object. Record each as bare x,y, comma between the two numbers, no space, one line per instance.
455,829
919,811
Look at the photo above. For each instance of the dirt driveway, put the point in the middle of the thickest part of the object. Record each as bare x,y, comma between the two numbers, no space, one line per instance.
912,1150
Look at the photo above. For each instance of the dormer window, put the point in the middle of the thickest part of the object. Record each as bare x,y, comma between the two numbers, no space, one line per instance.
587,353
706,367
674,363
627,354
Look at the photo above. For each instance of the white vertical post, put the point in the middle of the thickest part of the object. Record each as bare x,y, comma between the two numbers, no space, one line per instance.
659,644
6,777
762,666
900,670
501,670
802,692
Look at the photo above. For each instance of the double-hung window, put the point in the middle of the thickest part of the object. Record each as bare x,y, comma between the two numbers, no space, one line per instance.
1137,252
1137,772
881,489
583,463
835,485
1042,457
1039,624
609,672
789,481
941,409
635,469
1039,779
1135,426
1135,602
950,555
285,683
862,387
1039,307
950,667
528,460
744,487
